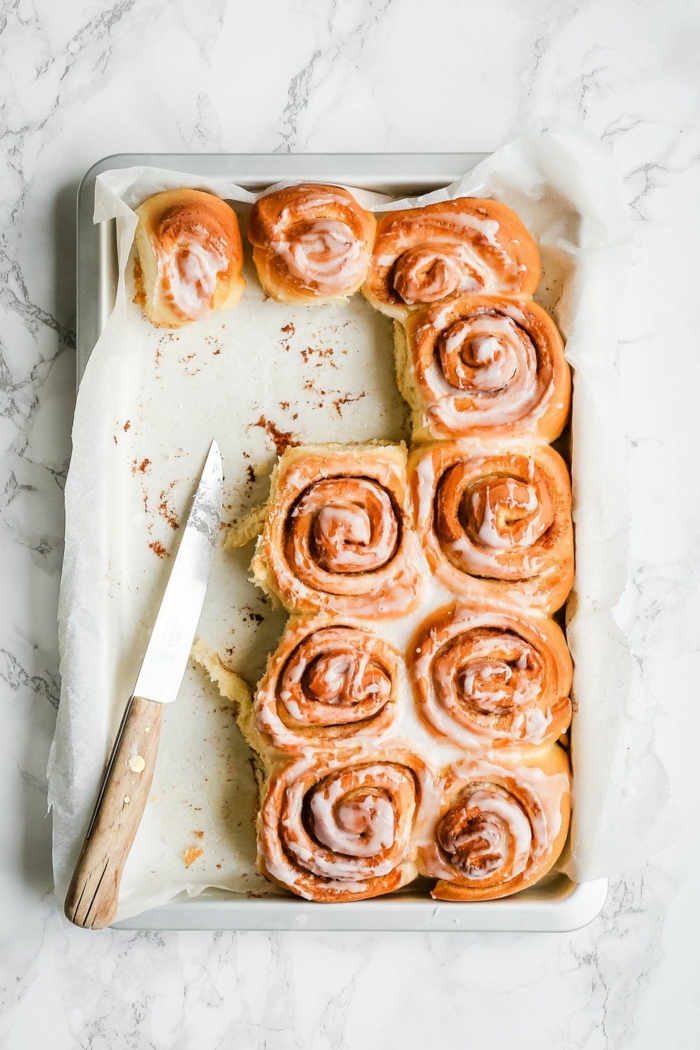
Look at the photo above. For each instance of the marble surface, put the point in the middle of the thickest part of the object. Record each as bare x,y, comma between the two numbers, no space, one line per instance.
82,80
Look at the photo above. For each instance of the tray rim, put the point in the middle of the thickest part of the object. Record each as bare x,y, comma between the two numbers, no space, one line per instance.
573,905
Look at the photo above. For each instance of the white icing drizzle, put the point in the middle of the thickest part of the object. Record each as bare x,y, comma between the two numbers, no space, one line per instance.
343,544
503,829
328,683
327,257
189,272
520,827
359,825
491,530
484,370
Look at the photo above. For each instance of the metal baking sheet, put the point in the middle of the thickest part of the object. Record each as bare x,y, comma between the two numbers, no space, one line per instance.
554,904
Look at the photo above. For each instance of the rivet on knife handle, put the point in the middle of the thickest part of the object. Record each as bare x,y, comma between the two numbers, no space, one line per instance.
93,895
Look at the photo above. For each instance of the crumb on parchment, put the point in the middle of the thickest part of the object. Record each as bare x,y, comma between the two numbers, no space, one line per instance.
191,854
282,439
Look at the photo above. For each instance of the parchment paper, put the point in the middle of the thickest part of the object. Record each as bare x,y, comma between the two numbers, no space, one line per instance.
149,404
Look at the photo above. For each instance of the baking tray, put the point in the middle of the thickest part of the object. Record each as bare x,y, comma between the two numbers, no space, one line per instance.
554,904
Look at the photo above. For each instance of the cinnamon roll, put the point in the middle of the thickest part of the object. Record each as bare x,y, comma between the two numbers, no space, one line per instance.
334,828
496,526
311,243
482,366
337,537
329,682
190,257
501,826
465,246
485,677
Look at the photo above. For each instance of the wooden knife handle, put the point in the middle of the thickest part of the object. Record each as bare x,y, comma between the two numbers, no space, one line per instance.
93,894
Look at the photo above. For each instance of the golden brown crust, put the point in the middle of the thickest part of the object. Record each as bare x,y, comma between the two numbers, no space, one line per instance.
496,525
338,537
456,247
329,683
190,256
311,243
485,366
340,828
484,677
501,824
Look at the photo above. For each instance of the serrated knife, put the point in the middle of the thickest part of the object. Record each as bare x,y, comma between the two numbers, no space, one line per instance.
93,894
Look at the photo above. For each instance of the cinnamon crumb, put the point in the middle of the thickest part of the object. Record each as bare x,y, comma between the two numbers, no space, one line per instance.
141,467
190,855
347,400
323,352
251,474
158,548
199,834
165,510
289,329
127,425
282,439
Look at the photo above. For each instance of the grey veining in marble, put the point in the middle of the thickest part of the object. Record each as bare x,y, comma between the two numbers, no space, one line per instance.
82,80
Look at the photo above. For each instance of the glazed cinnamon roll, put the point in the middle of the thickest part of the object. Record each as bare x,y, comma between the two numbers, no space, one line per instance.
340,829
190,257
500,827
311,243
329,682
486,678
337,537
496,527
482,366
465,246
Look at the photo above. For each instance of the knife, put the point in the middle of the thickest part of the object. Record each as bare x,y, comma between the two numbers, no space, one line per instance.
93,894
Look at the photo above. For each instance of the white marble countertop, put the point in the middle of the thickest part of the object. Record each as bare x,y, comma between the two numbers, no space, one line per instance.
79,80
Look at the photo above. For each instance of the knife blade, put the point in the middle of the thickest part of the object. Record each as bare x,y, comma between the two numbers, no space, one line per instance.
93,895
169,647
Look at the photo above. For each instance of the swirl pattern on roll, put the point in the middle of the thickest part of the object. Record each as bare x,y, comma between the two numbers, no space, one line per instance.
337,537
485,677
500,827
327,683
496,526
481,366
311,243
190,256
334,829
465,246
